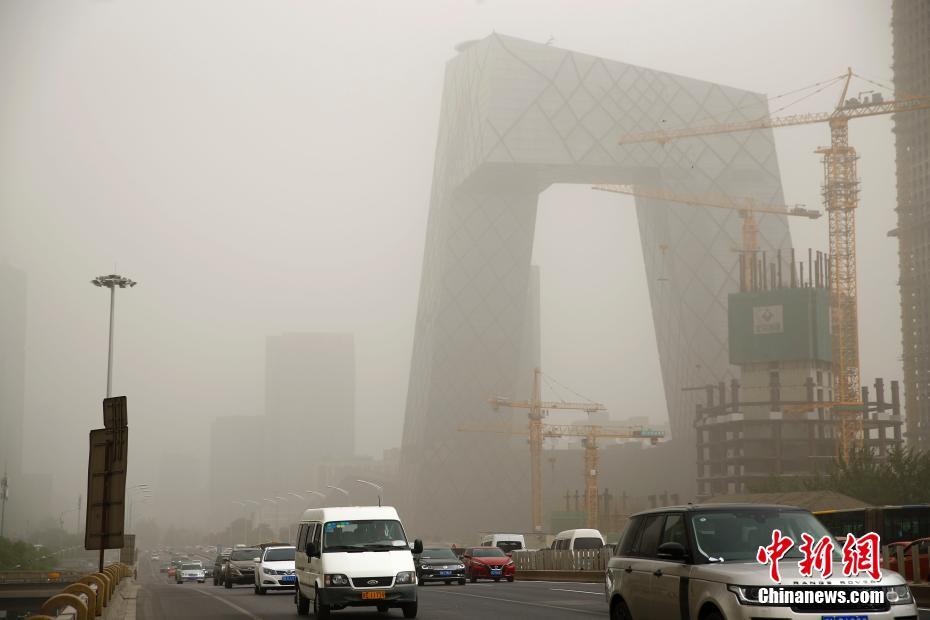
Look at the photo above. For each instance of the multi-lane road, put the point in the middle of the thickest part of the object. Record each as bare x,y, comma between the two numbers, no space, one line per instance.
160,599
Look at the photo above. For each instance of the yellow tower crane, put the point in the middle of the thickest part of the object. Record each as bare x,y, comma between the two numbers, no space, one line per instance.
589,435
841,197
536,412
746,206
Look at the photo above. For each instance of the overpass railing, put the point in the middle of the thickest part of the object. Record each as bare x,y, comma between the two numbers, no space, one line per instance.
86,598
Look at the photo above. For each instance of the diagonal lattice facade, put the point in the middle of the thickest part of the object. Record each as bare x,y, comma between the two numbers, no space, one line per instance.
517,117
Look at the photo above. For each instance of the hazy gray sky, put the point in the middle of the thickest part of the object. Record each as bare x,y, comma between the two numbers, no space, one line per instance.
264,166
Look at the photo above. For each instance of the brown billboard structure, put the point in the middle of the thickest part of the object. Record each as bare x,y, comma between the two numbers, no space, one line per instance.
106,479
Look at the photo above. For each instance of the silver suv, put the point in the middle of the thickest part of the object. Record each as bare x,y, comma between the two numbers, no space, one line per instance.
698,562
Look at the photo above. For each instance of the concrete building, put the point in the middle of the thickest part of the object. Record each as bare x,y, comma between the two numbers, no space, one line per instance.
517,117
911,29
763,427
310,386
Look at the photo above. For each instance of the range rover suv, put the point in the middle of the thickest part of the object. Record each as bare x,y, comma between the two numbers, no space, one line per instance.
698,562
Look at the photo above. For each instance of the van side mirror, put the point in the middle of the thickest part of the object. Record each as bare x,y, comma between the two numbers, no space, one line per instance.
417,547
671,551
311,550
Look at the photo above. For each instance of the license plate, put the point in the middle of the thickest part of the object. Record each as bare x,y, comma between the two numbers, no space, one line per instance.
495,571
287,579
443,573
842,617
376,594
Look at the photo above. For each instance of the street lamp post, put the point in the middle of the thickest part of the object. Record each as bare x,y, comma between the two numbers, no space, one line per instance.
245,531
111,282
378,487
343,491
277,522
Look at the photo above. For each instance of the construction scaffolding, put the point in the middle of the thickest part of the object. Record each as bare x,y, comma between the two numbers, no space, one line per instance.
739,443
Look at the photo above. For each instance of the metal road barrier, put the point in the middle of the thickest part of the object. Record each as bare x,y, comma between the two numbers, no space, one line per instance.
912,561
562,560
86,598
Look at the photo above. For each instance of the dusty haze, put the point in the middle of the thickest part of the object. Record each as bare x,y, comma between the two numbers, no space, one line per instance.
264,167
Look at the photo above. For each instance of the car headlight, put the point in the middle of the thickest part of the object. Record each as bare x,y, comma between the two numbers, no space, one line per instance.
510,563
234,570
898,595
268,571
747,595
460,566
405,577
424,566
335,581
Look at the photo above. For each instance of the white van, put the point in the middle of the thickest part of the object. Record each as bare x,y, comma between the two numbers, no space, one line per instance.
354,557
578,540
508,543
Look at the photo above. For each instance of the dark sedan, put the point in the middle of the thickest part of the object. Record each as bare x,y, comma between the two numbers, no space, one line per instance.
440,564
240,567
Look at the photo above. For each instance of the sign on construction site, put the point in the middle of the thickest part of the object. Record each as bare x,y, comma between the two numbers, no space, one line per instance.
768,320
106,478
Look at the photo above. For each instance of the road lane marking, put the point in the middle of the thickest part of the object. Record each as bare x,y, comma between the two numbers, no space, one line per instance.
531,604
578,591
233,605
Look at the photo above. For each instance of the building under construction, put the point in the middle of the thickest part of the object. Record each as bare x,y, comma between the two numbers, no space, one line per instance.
768,423
911,29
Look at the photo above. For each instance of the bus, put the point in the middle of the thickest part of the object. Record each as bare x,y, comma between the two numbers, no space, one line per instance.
892,523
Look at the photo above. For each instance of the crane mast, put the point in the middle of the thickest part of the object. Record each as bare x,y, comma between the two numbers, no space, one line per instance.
841,198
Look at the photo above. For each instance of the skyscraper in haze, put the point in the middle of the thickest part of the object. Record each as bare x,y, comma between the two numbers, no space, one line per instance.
516,117
310,390
911,29
12,366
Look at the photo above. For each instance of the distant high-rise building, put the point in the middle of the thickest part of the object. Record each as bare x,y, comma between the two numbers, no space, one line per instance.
911,29
310,391
12,366
516,117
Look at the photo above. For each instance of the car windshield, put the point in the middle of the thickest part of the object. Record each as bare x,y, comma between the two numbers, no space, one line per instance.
244,554
190,567
489,552
438,554
363,535
735,536
509,545
588,543
280,554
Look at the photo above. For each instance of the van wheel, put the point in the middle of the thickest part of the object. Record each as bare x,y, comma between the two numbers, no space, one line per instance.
714,615
619,611
410,610
320,610
510,579
303,604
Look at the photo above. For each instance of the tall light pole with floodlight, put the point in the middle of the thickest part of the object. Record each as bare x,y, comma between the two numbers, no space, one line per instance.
111,282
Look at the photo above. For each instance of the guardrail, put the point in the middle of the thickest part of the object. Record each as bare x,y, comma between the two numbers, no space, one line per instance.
562,560
38,576
86,598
